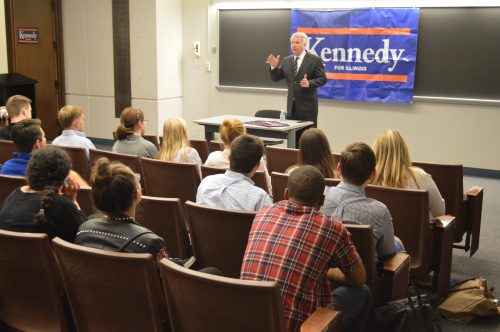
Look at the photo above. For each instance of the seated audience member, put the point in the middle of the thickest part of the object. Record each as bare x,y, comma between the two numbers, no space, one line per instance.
72,119
116,192
28,137
303,250
129,135
314,150
48,204
18,108
349,203
175,145
229,130
394,169
235,189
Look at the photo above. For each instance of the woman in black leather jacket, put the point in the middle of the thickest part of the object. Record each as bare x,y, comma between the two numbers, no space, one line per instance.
116,192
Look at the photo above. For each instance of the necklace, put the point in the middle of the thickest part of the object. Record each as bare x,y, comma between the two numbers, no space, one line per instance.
123,219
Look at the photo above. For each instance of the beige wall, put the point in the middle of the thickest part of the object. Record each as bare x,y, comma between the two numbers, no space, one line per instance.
447,133
4,65
155,43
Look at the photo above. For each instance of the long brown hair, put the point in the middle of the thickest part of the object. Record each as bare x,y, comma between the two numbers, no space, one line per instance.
314,150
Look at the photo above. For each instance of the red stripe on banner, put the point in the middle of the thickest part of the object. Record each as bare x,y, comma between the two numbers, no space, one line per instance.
355,31
368,77
27,29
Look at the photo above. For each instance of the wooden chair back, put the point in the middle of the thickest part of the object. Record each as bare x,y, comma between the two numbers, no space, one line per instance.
85,200
131,161
215,146
449,180
202,147
170,179
153,139
279,159
209,170
80,161
219,236
202,302
110,291
31,289
8,183
165,217
410,217
7,149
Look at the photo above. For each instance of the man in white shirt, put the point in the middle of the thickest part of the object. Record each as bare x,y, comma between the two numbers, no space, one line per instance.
72,119
235,189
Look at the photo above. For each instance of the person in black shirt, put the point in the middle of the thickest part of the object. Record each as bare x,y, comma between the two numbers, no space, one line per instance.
18,108
48,204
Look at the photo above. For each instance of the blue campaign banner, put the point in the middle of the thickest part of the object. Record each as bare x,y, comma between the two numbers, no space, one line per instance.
369,54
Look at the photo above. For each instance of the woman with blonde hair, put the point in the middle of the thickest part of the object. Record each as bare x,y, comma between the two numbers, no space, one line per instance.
175,145
314,149
394,169
129,133
229,130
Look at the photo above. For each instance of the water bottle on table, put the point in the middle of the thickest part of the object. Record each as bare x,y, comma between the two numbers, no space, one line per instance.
282,116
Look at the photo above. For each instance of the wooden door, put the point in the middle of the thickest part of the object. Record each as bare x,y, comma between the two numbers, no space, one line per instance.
35,50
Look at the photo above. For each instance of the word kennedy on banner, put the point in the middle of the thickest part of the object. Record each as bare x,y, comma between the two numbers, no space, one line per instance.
369,54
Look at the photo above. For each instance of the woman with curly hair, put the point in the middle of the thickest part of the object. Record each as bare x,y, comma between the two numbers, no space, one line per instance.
48,204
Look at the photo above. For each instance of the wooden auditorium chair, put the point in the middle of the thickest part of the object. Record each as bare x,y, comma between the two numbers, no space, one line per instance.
214,145
8,183
466,208
392,283
111,291
32,295
201,146
153,139
79,159
429,245
279,159
7,149
170,179
202,302
134,162
165,217
219,236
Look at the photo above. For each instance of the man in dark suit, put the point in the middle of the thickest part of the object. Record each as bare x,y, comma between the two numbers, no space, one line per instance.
304,72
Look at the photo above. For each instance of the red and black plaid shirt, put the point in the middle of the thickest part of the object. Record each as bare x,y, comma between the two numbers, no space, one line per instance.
295,245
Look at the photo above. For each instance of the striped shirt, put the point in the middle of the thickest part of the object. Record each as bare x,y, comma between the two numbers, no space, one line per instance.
295,245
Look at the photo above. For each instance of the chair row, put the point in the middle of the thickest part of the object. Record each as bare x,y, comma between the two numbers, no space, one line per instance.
429,245
63,286
449,180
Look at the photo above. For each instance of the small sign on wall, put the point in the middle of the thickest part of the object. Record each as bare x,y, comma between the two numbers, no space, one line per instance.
27,35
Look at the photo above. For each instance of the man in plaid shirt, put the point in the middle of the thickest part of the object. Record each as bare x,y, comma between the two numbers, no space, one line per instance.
301,249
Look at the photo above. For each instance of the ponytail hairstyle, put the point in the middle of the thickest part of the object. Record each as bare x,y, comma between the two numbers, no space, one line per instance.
129,119
175,138
230,129
47,170
113,187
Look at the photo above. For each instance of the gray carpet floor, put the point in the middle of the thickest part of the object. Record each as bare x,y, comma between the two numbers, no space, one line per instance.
485,261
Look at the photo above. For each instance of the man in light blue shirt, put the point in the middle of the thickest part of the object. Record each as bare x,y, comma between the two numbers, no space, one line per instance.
72,119
349,203
235,189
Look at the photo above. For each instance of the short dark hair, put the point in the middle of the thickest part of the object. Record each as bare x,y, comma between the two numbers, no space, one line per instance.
25,133
306,185
246,152
357,162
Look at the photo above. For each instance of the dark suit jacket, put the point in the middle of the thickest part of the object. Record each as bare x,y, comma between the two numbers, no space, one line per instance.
306,99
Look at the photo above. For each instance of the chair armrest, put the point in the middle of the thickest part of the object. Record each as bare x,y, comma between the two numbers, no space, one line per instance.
396,263
322,320
474,191
445,221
